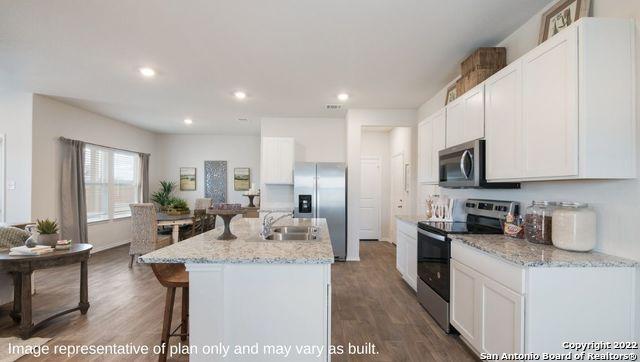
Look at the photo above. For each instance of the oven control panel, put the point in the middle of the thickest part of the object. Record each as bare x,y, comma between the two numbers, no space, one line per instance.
492,208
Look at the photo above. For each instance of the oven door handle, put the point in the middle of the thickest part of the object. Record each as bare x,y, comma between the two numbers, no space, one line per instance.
432,235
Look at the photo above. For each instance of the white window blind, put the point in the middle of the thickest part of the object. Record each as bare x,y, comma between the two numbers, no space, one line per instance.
111,182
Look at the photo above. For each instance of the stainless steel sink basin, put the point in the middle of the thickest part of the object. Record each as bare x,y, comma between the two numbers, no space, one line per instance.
290,236
296,229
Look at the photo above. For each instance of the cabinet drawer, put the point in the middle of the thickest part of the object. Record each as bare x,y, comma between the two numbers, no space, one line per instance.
409,229
502,272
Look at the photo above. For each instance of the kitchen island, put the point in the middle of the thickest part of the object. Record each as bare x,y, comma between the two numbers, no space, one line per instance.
253,299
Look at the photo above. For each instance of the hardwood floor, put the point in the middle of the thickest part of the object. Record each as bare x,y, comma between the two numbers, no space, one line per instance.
370,304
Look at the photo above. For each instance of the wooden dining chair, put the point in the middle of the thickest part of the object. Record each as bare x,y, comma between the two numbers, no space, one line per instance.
204,204
197,227
144,231
173,276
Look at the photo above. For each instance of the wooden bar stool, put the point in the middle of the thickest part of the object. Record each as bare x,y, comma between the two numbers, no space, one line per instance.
173,276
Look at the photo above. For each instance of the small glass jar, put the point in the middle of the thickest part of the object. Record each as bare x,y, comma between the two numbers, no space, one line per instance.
537,222
574,227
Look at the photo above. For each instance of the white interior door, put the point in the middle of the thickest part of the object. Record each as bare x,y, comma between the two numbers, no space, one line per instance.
398,199
370,197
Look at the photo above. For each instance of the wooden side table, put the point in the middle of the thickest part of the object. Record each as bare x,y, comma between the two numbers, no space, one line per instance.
21,268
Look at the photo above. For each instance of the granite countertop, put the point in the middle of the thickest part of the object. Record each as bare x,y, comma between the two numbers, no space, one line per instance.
248,247
528,254
412,219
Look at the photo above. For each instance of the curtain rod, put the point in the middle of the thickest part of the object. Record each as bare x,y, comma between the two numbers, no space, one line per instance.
109,147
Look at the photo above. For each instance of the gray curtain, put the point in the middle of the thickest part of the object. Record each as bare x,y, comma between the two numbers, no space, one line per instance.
144,174
73,204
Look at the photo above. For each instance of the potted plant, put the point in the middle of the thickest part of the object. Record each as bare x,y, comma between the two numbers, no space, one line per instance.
163,196
47,232
177,206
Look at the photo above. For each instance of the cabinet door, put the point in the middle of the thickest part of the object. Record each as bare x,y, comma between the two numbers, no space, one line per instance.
401,252
502,315
550,107
455,123
425,147
286,149
465,302
412,262
503,124
270,164
473,125
439,121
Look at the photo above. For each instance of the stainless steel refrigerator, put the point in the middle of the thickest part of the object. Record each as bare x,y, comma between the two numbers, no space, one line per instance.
320,191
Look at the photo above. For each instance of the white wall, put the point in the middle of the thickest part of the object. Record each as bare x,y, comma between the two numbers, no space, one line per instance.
52,119
375,144
177,151
316,140
401,141
356,119
616,202
15,124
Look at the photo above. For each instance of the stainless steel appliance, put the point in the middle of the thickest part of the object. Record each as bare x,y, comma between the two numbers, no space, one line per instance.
463,166
434,251
320,190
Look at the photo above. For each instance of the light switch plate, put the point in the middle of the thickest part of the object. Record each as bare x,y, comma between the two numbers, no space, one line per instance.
11,185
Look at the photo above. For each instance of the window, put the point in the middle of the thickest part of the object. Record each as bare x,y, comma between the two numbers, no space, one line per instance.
111,182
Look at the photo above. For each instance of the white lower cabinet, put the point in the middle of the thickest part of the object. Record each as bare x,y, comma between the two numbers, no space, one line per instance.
501,318
500,307
407,252
488,315
465,301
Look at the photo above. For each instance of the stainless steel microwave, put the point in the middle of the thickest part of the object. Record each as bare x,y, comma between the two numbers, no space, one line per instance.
463,166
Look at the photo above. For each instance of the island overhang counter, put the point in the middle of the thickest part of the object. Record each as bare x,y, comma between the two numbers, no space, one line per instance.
259,296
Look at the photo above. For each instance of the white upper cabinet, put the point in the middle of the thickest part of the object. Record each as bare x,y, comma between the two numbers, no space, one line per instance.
550,107
465,117
474,110
431,139
277,160
553,114
504,123
455,122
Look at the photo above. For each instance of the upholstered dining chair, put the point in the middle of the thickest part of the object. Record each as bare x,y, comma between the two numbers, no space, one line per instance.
203,204
144,231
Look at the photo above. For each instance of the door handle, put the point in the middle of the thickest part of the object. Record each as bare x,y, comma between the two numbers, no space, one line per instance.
466,154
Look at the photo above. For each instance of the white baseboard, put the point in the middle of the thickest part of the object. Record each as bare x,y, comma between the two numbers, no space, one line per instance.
107,246
351,258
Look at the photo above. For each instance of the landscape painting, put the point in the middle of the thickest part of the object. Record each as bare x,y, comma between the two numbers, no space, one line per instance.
241,178
187,178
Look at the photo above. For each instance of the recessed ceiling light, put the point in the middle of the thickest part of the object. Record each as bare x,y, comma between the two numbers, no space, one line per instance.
188,121
343,97
147,72
240,94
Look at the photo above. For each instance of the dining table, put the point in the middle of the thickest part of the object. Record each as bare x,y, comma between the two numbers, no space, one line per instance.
175,221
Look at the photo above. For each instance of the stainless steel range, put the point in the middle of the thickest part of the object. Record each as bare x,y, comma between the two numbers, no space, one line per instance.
434,251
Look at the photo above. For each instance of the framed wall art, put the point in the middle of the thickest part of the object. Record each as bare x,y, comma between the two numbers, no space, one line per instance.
561,15
241,178
187,178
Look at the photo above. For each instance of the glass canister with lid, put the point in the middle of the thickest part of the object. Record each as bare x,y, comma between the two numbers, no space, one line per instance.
574,227
537,222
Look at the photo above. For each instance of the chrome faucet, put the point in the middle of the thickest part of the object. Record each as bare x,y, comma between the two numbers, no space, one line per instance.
268,221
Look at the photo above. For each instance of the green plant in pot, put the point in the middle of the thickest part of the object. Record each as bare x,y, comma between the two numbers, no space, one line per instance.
47,232
163,196
177,206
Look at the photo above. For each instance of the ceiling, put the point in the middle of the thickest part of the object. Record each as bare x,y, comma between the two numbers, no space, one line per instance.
291,57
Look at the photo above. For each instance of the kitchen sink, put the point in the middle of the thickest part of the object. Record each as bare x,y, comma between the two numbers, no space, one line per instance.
291,236
295,229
